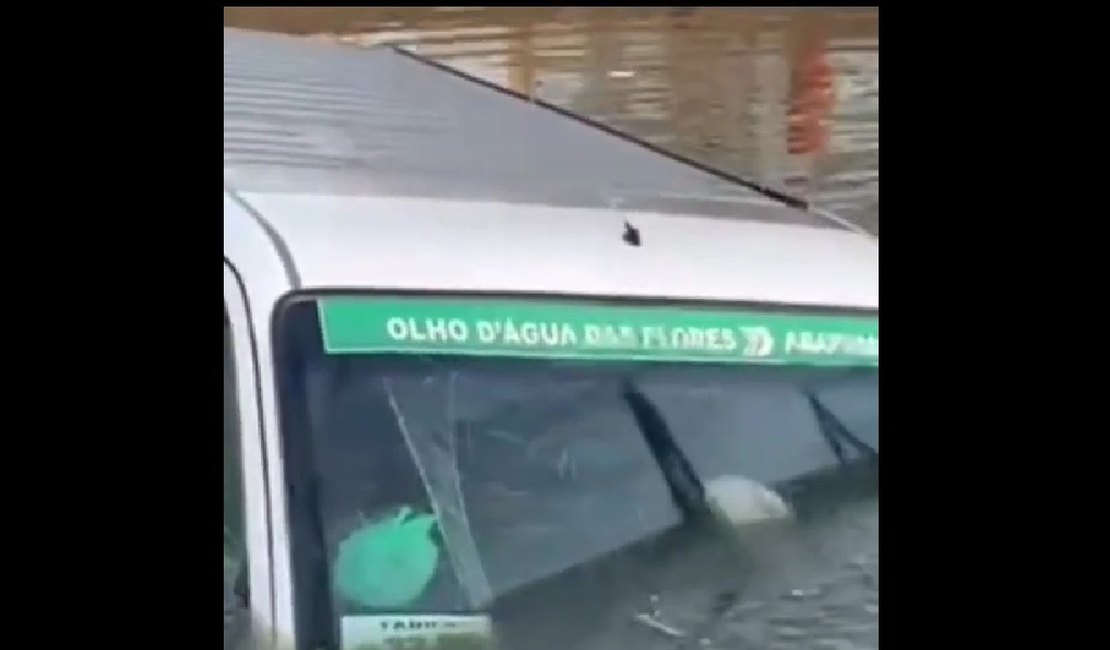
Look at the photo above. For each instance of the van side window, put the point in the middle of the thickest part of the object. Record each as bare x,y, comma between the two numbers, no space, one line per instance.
235,555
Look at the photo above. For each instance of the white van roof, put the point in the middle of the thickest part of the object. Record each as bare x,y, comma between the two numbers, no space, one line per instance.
373,169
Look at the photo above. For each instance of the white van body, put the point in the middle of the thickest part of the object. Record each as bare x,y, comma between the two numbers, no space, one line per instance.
289,230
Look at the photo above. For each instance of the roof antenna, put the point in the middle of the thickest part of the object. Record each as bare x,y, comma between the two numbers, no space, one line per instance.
631,234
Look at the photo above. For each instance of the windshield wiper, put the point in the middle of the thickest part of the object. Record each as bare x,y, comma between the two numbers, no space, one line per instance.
686,488
836,433
729,499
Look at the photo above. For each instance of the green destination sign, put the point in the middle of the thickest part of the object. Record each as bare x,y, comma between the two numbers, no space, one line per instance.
565,330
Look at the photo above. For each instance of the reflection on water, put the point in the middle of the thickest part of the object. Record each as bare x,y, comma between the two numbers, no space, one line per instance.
715,84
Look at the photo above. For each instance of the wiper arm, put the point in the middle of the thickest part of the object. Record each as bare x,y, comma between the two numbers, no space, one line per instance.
728,499
836,433
685,486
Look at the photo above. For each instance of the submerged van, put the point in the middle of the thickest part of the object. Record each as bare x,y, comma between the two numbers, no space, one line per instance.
488,364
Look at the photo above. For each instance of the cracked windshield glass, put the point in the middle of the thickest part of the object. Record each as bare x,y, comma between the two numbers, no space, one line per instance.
646,471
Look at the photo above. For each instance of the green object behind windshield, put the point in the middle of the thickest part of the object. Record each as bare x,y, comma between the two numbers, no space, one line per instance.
388,563
585,331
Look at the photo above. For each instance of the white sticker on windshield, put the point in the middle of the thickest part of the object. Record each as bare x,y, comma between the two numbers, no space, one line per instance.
416,631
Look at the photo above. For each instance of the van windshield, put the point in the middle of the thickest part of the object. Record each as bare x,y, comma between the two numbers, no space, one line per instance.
445,456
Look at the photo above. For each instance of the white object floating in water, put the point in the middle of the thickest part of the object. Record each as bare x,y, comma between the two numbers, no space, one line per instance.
659,626
740,501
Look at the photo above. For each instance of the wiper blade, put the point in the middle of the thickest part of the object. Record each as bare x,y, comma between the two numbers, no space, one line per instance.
836,433
728,499
686,488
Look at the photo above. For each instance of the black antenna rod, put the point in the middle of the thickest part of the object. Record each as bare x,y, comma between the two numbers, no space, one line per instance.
782,197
